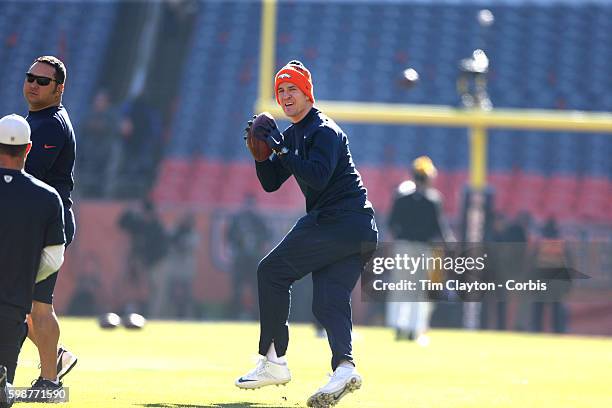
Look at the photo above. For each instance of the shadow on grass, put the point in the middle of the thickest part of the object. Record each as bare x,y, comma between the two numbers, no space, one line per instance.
214,405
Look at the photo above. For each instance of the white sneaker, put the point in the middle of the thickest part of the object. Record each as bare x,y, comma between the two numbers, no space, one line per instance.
265,373
65,362
343,381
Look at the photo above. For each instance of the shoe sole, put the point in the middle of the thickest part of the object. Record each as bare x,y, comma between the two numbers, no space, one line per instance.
326,400
63,372
250,385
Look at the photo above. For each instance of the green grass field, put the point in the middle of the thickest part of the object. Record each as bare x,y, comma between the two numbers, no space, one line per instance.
194,365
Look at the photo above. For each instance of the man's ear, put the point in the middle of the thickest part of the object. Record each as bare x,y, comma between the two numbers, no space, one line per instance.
59,89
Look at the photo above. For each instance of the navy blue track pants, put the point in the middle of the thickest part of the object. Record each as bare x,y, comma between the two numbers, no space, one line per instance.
12,335
333,245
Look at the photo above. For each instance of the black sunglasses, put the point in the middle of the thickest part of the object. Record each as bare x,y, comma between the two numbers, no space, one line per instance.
40,80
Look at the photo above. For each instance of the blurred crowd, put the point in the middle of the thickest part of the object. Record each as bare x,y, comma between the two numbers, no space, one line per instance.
120,149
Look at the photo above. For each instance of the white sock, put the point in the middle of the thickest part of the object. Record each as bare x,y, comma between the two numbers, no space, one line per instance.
346,364
272,357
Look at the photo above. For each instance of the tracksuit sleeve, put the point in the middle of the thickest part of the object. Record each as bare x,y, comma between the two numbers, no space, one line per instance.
317,170
271,174
43,155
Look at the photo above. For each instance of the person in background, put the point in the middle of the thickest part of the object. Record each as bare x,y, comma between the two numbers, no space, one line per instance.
31,243
551,262
248,237
497,271
51,160
416,221
100,149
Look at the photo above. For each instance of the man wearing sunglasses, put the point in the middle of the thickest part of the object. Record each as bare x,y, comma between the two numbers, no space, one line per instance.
52,161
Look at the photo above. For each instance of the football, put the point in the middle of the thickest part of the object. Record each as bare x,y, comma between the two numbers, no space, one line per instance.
255,139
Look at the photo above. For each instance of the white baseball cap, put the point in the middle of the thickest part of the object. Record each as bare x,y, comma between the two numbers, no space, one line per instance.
14,130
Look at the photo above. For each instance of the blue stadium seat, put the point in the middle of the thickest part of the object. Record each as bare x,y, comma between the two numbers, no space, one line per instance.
78,45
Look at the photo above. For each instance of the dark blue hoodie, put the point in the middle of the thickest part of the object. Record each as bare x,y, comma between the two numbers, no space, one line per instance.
53,150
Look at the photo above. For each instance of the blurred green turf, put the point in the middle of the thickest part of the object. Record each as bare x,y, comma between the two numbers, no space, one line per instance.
176,365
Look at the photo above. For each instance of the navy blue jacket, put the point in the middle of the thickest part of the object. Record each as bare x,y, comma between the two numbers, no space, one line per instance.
31,218
320,160
53,150
416,215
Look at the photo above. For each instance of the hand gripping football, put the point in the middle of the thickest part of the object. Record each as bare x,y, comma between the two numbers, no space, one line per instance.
256,134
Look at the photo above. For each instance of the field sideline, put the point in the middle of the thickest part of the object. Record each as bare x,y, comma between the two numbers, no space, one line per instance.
176,365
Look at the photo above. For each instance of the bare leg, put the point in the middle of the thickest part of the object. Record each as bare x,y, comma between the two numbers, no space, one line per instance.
44,331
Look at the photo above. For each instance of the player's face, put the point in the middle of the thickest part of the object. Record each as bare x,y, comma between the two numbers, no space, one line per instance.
42,96
294,102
